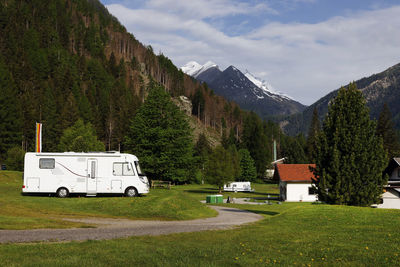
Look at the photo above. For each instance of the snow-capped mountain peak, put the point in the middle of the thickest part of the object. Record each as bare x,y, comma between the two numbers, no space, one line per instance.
265,86
194,69
191,68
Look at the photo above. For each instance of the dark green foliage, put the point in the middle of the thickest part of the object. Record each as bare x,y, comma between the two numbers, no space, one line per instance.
311,145
248,170
256,142
385,129
15,159
80,137
220,168
10,112
350,156
161,137
235,158
292,148
202,151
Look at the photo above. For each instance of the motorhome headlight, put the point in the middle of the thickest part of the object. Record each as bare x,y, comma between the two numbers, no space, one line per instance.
143,179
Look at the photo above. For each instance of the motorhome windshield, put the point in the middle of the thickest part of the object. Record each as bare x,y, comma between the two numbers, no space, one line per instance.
139,170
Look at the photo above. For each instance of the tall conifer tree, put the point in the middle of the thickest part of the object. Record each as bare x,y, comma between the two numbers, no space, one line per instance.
255,141
160,136
350,156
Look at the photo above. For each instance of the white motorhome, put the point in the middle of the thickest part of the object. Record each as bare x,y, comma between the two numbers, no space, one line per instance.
84,173
238,187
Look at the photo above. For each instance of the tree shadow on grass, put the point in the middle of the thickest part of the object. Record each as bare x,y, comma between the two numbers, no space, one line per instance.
264,212
203,191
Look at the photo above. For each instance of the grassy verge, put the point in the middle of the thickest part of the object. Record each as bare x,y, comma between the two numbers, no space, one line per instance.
292,234
27,212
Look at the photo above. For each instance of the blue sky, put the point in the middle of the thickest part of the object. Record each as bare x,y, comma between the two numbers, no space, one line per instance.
304,48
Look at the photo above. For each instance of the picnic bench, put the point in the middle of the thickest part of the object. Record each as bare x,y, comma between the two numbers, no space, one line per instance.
160,184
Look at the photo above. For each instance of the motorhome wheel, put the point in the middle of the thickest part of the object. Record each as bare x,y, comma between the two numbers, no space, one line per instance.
131,192
62,192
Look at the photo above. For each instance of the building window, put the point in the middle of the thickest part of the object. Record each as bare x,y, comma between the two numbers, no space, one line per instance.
312,191
123,169
46,163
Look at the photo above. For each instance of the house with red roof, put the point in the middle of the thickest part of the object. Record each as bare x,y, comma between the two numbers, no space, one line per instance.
295,182
391,195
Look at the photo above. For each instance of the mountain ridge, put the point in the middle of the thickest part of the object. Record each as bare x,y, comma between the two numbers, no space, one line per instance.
379,88
245,89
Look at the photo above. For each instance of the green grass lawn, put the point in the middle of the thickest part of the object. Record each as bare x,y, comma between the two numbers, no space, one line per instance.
24,212
292,234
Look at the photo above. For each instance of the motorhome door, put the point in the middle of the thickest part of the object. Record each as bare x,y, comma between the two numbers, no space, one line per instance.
92,176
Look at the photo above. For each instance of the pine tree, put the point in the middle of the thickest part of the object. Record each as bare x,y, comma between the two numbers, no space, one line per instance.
312,136
202,151
293,149
248,171
385,129
350,156
160,136
220,170
255,141
80,137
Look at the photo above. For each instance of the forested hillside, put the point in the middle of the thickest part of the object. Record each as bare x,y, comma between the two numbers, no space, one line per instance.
67,59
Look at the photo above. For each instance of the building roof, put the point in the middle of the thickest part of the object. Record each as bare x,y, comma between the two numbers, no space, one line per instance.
295,172
393,164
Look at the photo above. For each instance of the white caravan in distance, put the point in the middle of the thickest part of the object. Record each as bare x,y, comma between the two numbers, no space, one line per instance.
238,187
84,173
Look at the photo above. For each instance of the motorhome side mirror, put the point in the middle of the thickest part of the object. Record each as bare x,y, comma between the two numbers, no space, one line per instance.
88,175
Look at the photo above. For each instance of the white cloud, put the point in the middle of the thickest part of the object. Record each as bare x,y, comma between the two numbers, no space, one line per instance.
305,61
200,9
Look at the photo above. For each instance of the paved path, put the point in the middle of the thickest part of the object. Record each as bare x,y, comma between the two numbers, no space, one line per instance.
118,228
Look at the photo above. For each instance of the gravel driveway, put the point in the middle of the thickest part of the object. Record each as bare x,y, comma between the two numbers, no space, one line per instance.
118,228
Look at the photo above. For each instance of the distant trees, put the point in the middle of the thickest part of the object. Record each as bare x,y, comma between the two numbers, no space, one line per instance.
80,137
220,169
313,131
10,112
202,151
256,142
350,157
385,129
248,171
161,137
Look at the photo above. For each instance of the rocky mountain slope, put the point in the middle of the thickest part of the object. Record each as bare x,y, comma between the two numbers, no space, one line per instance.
249,92
377,89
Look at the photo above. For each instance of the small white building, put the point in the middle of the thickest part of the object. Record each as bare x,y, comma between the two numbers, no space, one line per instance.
295,182
391,195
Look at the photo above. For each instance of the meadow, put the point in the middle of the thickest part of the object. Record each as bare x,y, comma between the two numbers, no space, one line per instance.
291,234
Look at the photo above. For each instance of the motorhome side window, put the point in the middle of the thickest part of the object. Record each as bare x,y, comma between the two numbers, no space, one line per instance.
46,163
123,169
